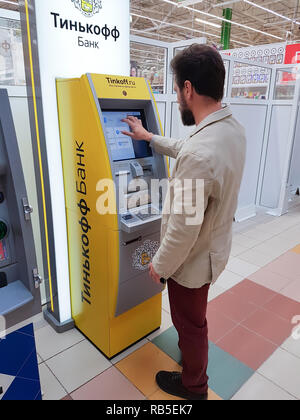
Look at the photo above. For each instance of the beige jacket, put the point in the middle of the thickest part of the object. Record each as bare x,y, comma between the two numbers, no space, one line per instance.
194,255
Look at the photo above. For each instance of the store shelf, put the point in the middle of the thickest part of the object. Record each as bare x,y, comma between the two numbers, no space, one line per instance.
258,85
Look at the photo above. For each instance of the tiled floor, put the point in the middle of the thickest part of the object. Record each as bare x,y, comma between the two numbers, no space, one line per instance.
19,375
254,331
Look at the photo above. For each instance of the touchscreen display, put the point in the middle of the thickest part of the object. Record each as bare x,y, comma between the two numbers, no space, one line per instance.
123,147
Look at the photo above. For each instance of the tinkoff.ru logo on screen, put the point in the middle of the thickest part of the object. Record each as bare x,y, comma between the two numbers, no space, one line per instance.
88,7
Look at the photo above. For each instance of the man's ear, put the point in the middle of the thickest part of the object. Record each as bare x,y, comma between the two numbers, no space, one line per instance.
188,88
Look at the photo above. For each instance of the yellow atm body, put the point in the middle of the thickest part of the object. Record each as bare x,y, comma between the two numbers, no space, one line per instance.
114,302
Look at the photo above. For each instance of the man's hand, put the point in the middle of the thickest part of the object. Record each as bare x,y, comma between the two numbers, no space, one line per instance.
155,277
137,130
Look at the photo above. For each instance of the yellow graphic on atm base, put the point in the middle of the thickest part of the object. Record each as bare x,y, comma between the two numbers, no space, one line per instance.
93,239
145,259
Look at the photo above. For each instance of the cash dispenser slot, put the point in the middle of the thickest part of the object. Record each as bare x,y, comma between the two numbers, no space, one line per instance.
148,170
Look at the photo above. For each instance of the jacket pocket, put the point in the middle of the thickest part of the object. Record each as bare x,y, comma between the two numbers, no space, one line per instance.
218,263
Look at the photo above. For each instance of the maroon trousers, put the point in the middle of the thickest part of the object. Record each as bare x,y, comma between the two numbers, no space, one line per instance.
188,311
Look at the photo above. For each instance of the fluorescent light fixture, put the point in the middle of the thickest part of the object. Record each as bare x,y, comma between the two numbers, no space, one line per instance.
225,20
251,3
9,2
183,3
270,11
208,23
181,27
225,3
172,2
175,25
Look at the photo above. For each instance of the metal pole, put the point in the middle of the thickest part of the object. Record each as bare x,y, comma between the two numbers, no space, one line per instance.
226,29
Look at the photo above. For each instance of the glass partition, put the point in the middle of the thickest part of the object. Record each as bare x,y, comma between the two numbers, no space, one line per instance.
285,84
226,64
250,82
12,72
150,62
175,52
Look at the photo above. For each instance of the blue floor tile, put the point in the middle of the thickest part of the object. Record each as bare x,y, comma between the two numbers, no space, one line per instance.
168,342
226,374
23,390
18,359
27,330
14,351
30,369
39,396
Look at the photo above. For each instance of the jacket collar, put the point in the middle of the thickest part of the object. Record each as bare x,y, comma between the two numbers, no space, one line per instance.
212,118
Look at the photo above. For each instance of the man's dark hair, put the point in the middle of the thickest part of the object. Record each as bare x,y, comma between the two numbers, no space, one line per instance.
203,67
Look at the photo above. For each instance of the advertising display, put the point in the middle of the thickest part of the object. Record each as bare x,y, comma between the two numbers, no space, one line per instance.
65,38
292,54
265,54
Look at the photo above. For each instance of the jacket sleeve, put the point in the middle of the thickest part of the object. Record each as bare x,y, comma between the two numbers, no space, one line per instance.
191,191
166,146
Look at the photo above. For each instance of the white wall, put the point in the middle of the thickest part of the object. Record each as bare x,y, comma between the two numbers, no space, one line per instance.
253,118
294,180
161,107
276,155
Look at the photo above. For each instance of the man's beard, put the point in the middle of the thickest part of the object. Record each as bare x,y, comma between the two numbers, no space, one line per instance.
186,115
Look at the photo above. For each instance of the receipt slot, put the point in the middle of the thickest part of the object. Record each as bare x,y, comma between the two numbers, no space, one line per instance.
19,279
114,301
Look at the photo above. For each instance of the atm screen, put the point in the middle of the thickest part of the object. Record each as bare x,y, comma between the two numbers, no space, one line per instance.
123,147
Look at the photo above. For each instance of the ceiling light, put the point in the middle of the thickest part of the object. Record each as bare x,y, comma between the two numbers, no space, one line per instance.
183,3
225,3
251,3
179,26
208,23
175,25
225,20
270,11
9,2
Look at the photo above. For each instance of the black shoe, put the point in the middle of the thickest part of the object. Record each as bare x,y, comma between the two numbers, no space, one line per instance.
171,383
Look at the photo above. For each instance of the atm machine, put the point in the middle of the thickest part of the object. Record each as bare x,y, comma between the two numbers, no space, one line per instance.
113,223
19,278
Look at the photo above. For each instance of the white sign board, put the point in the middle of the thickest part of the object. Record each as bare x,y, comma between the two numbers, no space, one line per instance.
265,54
74,37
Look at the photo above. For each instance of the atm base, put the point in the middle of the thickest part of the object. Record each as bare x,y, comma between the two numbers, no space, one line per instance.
57,326
133,344
122,351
